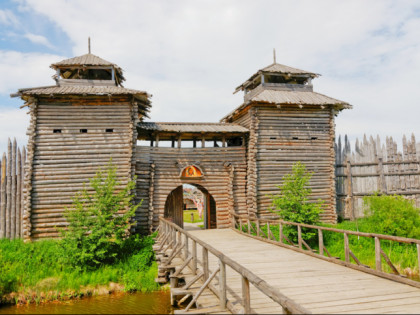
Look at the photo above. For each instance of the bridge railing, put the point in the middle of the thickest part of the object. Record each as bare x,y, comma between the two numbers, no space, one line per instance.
172,235
261,228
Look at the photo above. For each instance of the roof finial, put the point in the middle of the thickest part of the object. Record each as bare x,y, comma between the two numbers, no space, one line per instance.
274,55
89,44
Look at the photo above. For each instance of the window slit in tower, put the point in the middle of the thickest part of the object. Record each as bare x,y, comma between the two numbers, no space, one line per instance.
83,130
57,131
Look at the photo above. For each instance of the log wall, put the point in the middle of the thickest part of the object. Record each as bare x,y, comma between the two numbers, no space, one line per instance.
11,187
158,173
373,166
69,143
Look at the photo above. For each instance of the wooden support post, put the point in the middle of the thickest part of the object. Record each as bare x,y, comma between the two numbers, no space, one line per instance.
299,236
378,254
346,247
185,246
194,257
418,256
222,285
194,142
203,142
240,224
320,242
280,232
224,141
246,297
157,140
268,231
249,227
205,263
258,227
350,191
3,198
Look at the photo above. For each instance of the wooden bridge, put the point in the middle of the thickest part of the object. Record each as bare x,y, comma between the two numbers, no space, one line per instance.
232,270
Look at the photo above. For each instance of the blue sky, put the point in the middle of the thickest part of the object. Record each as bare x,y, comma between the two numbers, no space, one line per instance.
192,54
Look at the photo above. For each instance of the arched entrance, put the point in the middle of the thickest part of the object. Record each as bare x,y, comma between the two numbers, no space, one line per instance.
175,205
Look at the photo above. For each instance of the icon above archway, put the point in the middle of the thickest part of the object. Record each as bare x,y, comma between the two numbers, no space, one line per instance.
191,171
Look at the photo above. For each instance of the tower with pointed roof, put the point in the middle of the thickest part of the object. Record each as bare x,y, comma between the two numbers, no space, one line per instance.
288,122
77,125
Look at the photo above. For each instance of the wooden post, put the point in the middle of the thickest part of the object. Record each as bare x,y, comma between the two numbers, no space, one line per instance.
157,140
258,227
194,257
299,236
246,298
186,247
3,198
8,189
378,254
320,242
203,142
418,256
224,141
18,194
346,247
280,232
179,142
268,231
13,190
240,224
350,191
205,263
249,226
222,284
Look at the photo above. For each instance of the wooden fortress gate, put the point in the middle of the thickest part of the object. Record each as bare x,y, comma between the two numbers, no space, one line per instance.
210,156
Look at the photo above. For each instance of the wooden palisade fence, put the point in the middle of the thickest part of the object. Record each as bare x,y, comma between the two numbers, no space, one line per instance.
263,229
11,191
375,167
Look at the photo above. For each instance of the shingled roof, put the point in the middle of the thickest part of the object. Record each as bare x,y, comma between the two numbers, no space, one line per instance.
277,68
88,60
281,97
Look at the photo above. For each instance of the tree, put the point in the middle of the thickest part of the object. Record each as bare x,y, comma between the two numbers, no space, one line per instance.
292,204
99,222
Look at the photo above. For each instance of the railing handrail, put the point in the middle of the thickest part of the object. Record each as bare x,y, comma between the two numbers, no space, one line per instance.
259,283
324,228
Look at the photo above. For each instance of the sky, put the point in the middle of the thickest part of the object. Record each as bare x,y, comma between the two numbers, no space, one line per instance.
190,55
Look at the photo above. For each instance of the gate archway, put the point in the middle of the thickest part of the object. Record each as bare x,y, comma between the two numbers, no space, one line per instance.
174,207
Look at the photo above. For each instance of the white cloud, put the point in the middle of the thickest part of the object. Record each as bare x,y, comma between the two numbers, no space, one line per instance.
38,39
8,18
13,124
22,70
192,54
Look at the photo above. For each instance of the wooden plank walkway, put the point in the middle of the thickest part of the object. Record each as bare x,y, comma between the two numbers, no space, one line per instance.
318,285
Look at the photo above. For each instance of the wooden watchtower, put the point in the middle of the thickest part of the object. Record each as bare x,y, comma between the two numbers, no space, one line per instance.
287,122
77,125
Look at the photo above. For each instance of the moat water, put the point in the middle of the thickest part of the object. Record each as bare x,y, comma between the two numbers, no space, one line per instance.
118,303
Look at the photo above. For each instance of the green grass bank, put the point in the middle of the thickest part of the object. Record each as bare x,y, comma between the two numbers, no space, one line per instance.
40,271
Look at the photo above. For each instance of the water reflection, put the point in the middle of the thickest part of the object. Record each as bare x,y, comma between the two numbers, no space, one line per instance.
120,303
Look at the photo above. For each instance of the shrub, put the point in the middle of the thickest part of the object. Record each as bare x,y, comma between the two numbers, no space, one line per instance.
393,215
292,203
100,221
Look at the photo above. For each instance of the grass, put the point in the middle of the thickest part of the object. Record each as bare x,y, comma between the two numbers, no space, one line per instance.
187,216
403,256
39,271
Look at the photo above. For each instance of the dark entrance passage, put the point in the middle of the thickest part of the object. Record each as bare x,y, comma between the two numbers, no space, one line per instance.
176,201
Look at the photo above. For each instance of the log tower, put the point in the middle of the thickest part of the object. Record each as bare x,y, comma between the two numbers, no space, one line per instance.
76,127
287,122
